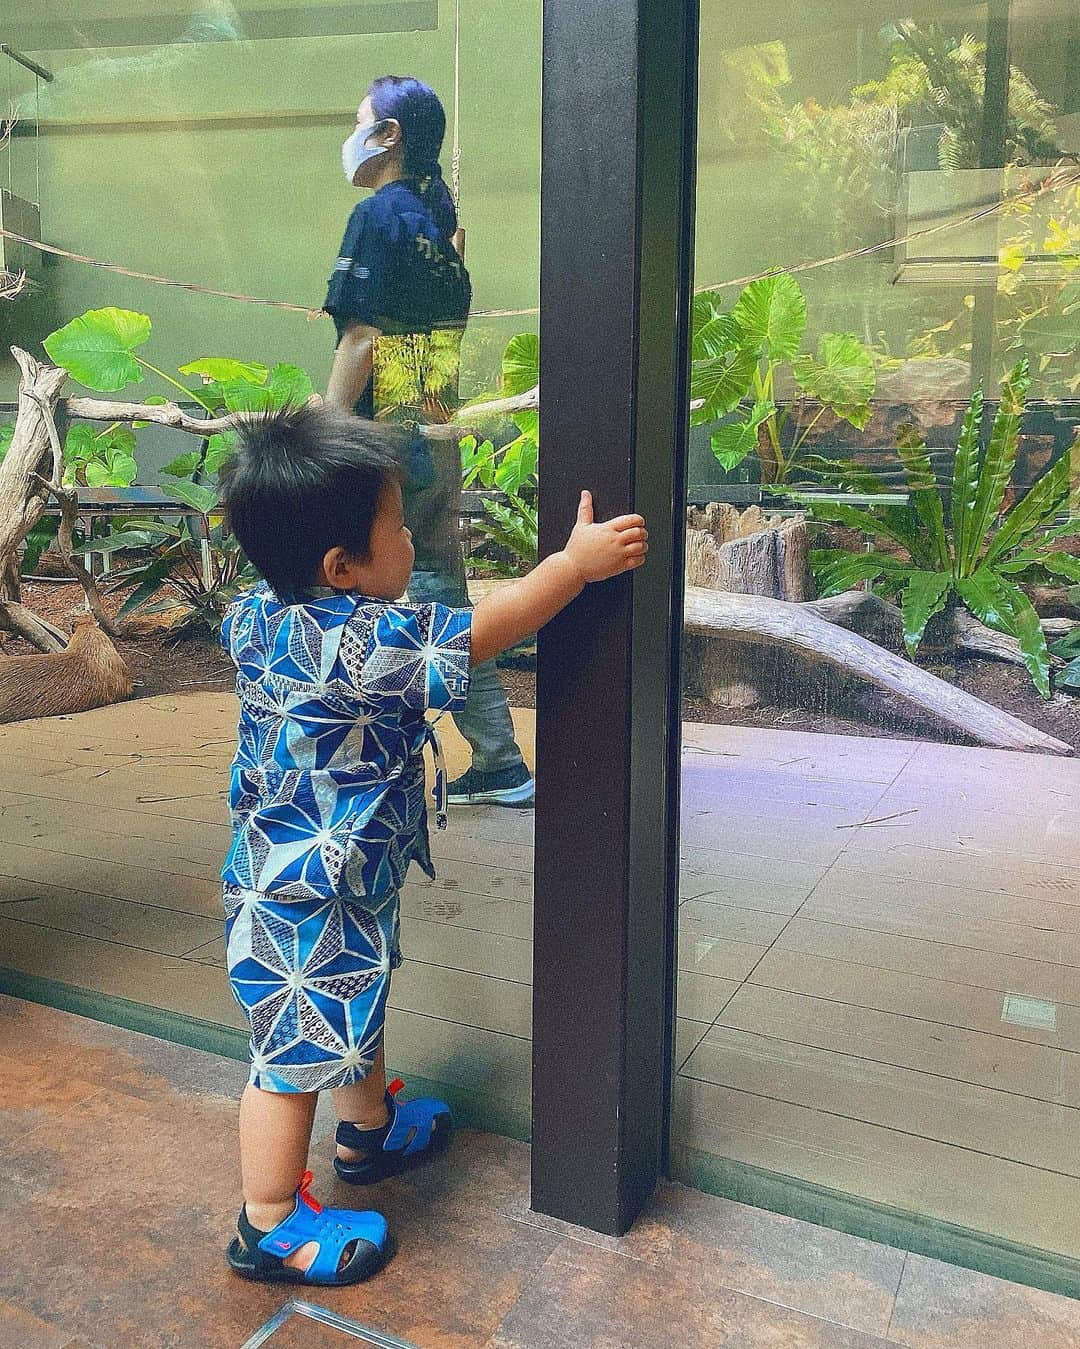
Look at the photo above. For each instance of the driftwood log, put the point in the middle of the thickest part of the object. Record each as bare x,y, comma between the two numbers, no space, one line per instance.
748,553
736,619
754,633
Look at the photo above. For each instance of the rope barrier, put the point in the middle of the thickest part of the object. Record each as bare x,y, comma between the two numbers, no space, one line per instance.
1054,181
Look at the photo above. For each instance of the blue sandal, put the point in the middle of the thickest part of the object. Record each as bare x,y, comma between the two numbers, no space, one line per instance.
415,1132
261,1256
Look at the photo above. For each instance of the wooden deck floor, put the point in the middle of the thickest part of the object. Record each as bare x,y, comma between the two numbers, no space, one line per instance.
879,950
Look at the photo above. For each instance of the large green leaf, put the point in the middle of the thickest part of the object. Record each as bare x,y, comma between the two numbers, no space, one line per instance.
7,430
1060,564
924,493
1067,647
719,335
731,444
1037,510
1002,605
285,386
516,466
521,364
892,522
225,371
924,596
1052,334
218,449
115,542
997,465
966,478
836,570
96,348
721,383
772,314
153,577
117,470
184,465
203,499
841,376
1069,678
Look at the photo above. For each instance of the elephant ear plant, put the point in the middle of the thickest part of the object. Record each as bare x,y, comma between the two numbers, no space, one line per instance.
978,551
741,356
193,567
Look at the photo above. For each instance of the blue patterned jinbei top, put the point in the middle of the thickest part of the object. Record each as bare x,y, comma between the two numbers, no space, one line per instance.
327,787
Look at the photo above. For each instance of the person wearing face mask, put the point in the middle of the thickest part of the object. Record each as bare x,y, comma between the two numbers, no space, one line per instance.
399,296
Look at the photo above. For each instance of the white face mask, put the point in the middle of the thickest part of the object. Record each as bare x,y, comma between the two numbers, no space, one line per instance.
355,152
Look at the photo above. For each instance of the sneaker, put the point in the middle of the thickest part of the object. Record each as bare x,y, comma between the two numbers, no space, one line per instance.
505,787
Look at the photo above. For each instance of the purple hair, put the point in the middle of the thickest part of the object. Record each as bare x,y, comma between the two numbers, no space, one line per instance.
420,114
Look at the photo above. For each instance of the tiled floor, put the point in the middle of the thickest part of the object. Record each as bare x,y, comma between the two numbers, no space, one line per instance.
879,951
115,1240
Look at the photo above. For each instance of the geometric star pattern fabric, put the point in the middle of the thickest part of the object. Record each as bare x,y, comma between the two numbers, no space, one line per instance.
328,810
327,787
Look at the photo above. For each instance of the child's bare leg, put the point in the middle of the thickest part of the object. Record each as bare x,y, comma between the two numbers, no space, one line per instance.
363,1103
275,1134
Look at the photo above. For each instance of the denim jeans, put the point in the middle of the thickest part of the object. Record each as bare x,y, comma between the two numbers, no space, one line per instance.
485,722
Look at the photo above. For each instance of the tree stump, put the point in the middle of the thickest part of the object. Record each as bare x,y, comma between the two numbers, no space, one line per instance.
745,553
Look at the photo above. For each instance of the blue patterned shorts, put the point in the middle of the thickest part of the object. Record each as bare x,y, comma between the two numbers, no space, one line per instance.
312,977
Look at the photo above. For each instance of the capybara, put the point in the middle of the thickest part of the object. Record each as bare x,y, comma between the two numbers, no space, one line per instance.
89,672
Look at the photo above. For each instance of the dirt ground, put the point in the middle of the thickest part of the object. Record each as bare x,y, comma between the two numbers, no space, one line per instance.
161,664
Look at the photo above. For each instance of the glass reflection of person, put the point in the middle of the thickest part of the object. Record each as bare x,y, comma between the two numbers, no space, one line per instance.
399,296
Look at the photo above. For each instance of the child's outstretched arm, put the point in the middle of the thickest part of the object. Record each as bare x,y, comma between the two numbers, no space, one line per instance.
594,552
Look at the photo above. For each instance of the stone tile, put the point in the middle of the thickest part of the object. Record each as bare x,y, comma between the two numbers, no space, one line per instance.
805,1268
480,913
702,997
998,872
995,1123
939,1305
475,879
932,959
493,954
928,920
767,873
21,1330
891,1166
106,876
587,1296
721,957
848,887
929,999
705,918
466,999
168,982
906,1041
688,1035
109,1058
151,927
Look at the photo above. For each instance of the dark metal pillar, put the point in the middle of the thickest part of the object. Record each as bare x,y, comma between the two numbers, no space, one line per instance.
619,123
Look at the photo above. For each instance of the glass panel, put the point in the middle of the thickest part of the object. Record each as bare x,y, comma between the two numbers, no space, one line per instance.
201,143
877,954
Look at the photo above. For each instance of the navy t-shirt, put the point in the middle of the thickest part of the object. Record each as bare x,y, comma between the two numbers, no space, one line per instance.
396,270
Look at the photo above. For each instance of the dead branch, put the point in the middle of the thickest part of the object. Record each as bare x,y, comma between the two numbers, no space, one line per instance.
502,407
164,414
67,498
174,416
23,622
11,284
795,627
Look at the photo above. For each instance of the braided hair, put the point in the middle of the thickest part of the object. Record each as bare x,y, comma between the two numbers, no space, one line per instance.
417,110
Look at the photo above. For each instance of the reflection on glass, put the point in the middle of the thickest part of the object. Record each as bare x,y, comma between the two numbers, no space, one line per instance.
877,942
202,142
